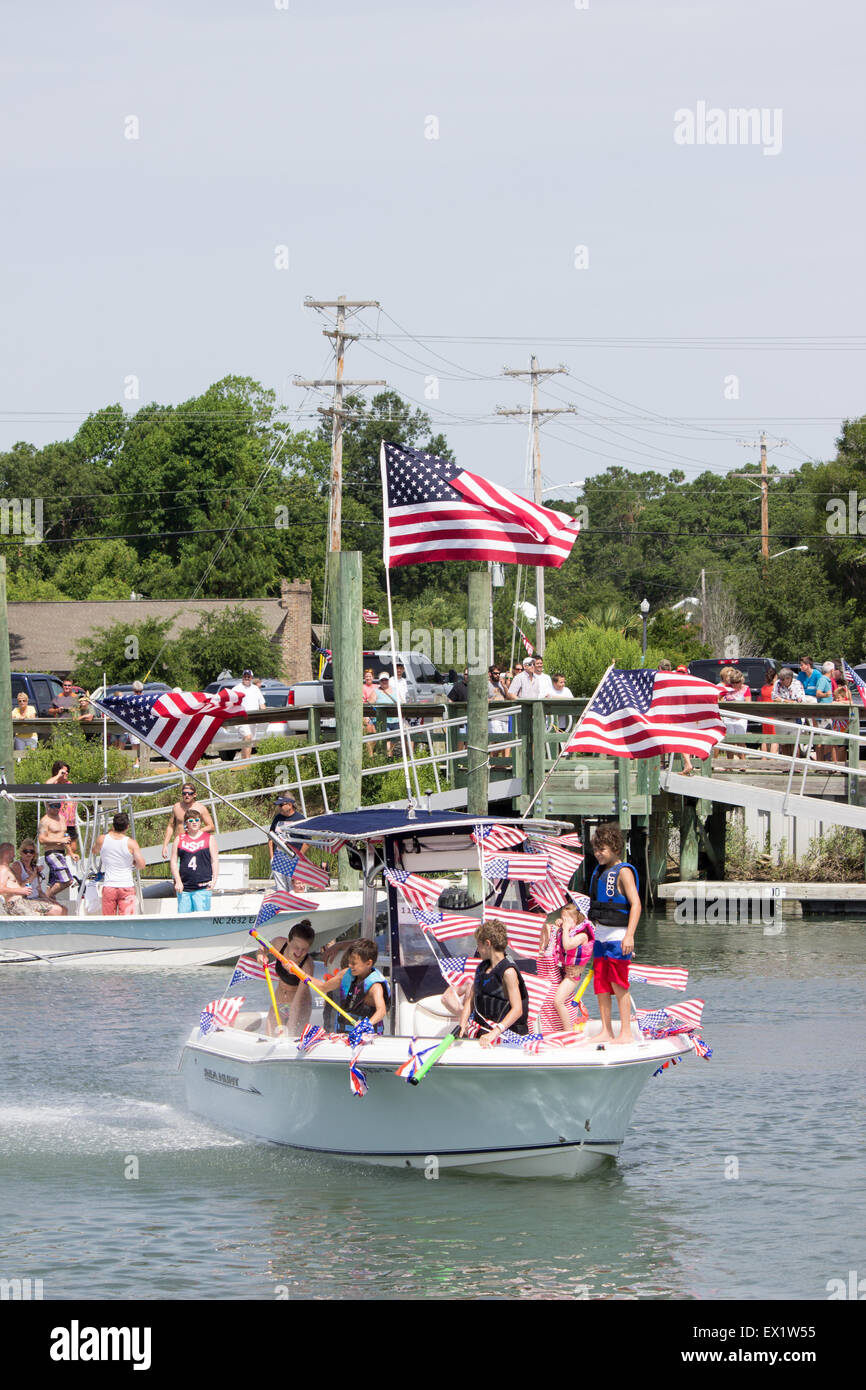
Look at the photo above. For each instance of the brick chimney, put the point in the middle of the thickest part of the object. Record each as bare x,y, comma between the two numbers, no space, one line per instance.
296,630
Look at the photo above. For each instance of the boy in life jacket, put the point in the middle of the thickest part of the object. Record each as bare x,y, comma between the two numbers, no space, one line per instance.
363,990
498,998
615,908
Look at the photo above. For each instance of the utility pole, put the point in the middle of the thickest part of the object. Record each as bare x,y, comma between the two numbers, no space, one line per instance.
340,337
535,373
765,487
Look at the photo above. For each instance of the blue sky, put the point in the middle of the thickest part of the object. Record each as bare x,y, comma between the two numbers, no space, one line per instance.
307,127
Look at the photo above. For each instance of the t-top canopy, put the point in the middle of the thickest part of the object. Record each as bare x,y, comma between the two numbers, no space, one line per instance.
81,791
376,822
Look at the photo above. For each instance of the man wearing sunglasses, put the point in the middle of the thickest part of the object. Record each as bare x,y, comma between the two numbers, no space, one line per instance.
179,810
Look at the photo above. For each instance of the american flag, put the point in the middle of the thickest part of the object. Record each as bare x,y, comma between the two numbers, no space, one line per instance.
524,929
581,902
444,925
283,863
178,725
530,650
370,617
303,870
458,970
282,901
675,1018
701,1047
563,864
361,1033
851,676
548,894
639,714
571,841
668,977
435,510
499,836
420,892
310,1036
414,1061
247,968
527,868
220,1013
689,1011
357,1079
529,1042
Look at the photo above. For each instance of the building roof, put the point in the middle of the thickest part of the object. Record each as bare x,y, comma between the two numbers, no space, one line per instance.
44,636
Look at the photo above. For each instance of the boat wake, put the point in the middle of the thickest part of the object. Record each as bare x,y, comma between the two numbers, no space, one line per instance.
104,1124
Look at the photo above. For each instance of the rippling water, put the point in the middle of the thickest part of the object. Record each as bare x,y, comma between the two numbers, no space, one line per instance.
738,1177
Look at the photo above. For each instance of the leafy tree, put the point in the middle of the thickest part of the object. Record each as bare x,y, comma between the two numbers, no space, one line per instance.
128,652
232,640
584,654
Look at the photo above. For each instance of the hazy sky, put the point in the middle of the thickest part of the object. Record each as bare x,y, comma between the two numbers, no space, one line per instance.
553,127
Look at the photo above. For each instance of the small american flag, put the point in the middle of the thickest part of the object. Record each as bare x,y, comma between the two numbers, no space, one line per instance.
444,925
851,676
362,1031
676,1018
562,1039
527,868
220,1013
357,1079
247,968
640,714
548,894
563,864
499,836
529,1042
370,617
310,1036
524,929
458,970
420,892
435,510
570,841
413,1063
281,900
305,871
689,1011
179,725
668,977
526,642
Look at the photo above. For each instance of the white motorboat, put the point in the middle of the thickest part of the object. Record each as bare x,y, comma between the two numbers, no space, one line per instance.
557,1112
157,934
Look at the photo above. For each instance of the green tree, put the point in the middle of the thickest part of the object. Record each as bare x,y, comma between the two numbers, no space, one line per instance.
128,652
584,654
233,640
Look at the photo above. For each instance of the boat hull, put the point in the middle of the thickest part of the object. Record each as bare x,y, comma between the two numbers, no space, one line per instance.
165,938
483,1110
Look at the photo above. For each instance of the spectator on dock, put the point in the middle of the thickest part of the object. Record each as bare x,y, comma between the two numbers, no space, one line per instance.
840,724
542,677
734,688
22,743
66,703
527,685
769,730
254,700
84,714
787,690
816,685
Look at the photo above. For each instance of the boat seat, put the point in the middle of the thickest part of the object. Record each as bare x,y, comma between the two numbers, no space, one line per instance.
431,1018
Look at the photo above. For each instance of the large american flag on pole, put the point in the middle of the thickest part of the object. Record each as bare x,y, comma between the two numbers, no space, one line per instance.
639,714
435,510
179,725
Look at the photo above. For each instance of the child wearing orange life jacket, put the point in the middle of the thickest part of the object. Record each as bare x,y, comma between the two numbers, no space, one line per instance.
574,938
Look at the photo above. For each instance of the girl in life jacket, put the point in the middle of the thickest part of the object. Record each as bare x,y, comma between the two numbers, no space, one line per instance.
573,938
498,998
363,990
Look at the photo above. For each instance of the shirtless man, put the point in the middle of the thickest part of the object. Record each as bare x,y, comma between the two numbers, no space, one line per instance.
16,898
178,811
56,843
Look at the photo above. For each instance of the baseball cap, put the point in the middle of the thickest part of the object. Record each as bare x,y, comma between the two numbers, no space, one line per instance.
247,672
529,661
286,801
53,805
383,676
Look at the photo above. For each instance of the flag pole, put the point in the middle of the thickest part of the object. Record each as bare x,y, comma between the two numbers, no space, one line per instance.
564,748
386,556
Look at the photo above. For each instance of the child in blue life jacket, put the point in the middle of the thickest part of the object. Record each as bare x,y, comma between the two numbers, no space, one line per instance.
363,990
616,908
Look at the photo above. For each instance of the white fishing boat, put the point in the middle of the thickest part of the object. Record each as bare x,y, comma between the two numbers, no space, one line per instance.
156,934
560,1111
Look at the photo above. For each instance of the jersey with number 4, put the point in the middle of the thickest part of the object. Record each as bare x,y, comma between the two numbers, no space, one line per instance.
194,862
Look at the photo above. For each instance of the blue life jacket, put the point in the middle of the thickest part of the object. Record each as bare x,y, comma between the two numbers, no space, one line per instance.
609,908
353,998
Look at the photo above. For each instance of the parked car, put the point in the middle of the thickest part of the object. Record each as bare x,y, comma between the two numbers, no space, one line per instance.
708,668
41,690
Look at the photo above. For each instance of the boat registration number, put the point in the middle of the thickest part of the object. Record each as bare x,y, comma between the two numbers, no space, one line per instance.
243,921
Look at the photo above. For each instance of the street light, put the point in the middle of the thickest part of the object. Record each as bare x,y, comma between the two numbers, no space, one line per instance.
577,483
644,610
788,551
